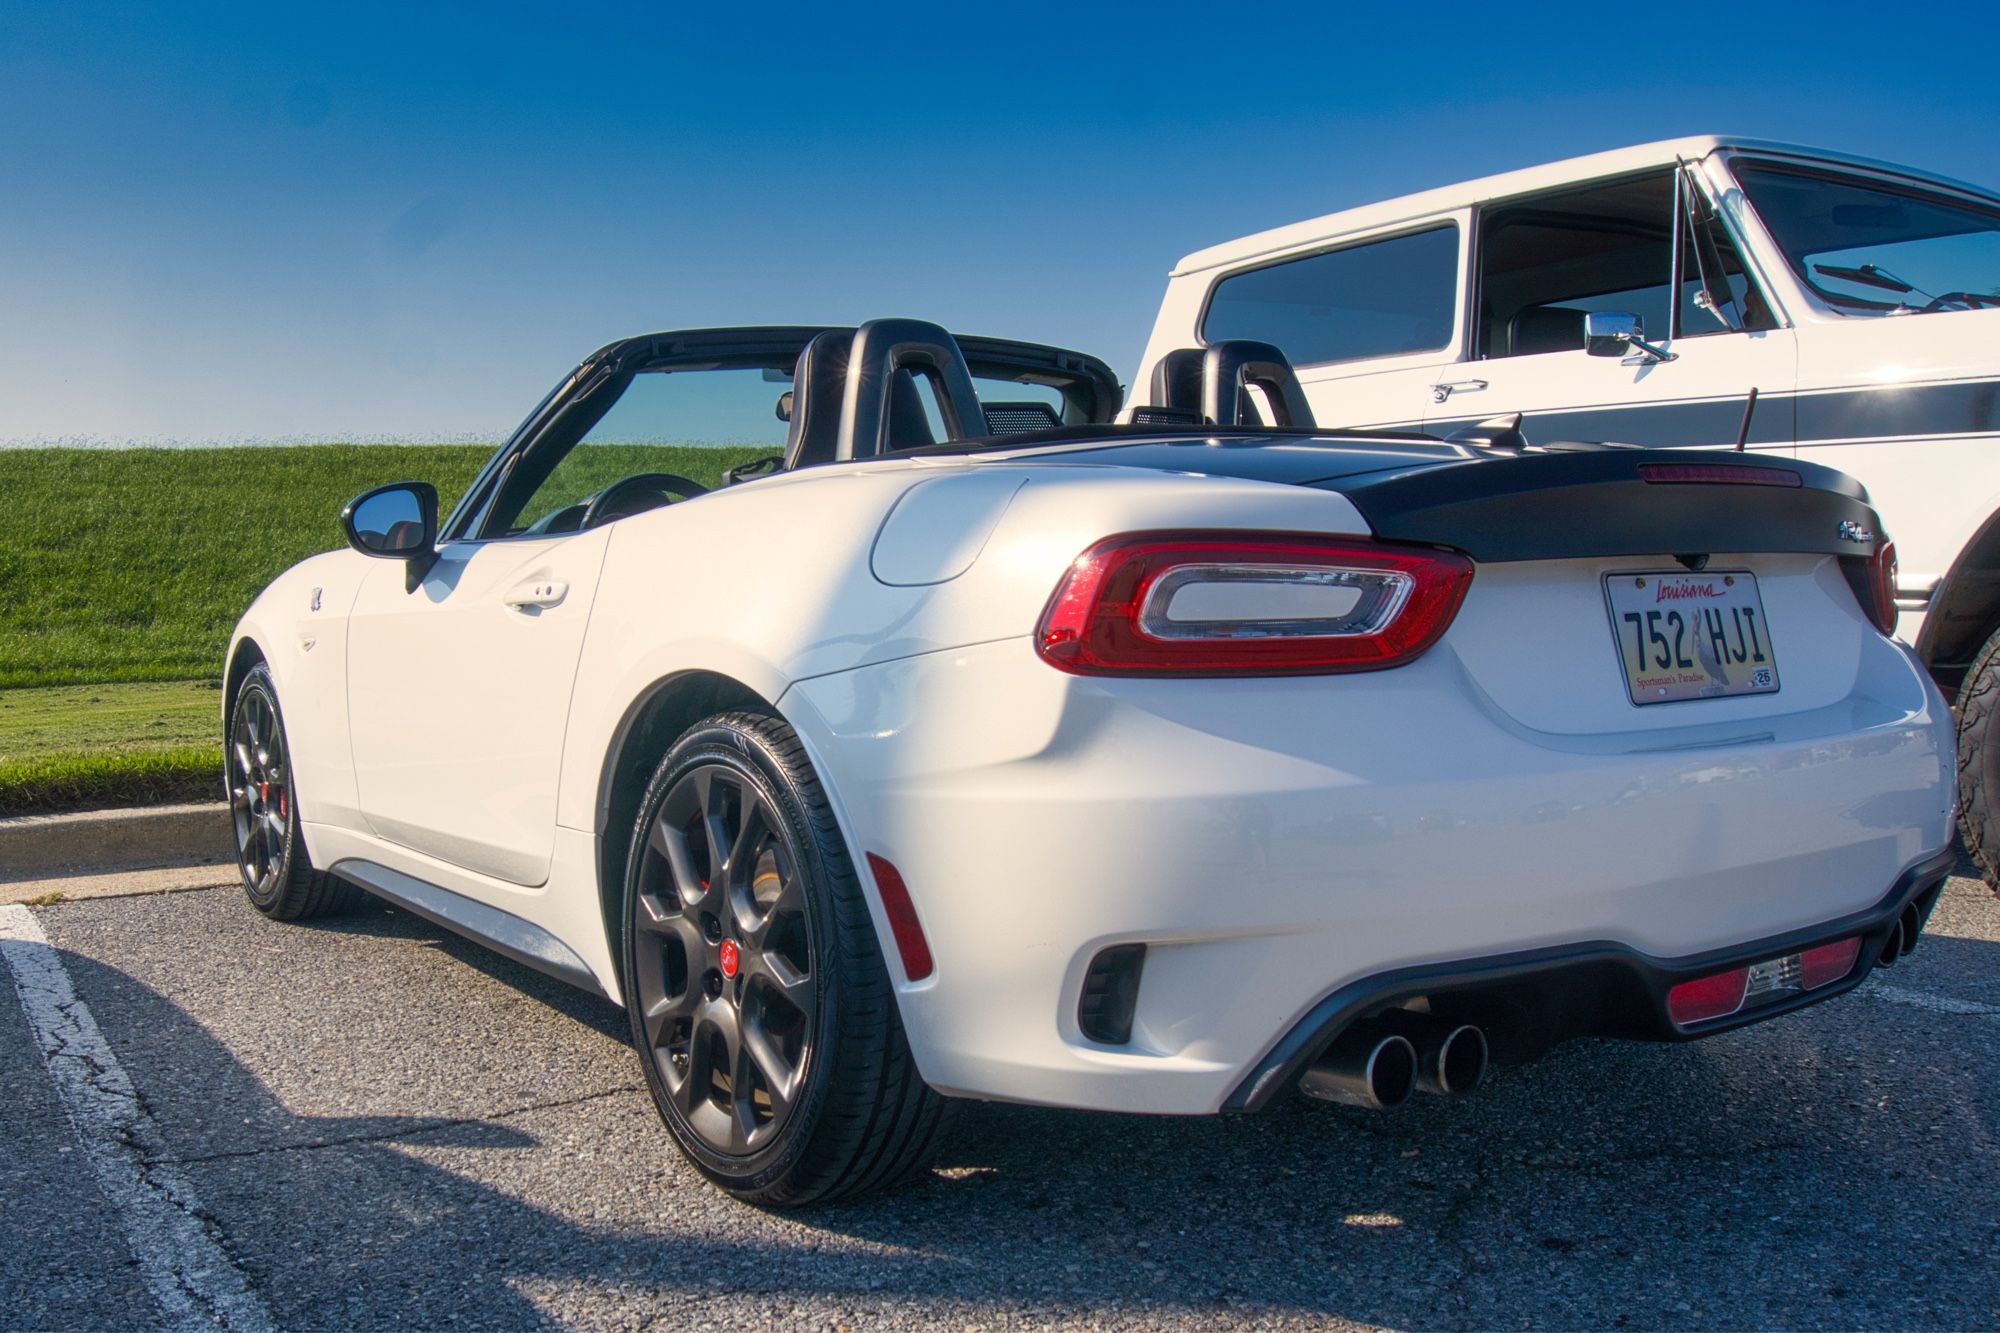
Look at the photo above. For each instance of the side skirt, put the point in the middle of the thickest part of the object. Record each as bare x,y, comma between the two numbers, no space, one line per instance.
503,932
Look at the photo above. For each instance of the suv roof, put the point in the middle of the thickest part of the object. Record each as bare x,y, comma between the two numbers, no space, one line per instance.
1315,231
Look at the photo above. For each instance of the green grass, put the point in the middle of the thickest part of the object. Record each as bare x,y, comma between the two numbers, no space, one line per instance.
100,745
132,565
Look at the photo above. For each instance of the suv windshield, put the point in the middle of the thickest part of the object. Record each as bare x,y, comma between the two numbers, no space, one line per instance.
1870,248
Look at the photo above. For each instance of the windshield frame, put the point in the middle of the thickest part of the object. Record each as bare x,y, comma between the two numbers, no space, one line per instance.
1836,305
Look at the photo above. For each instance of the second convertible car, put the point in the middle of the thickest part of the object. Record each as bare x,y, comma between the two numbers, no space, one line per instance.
979,744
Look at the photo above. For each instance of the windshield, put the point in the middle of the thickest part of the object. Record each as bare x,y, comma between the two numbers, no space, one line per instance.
1871,248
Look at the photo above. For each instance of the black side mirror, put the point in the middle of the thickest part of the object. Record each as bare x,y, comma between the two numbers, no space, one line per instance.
395,522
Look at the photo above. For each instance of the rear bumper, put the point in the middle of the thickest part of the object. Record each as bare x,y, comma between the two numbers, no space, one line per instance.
1597,989
1282,845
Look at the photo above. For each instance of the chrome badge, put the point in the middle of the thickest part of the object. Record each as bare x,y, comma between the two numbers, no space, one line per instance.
1850,531
316,591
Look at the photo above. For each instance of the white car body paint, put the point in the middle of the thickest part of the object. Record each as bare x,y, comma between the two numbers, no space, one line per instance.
1271,840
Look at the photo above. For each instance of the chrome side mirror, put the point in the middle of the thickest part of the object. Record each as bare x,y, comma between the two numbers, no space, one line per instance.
1611,332
1616,332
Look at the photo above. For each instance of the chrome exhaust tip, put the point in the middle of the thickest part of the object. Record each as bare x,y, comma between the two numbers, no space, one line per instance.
1364,1066
1451,1057
1892,948
1457,1066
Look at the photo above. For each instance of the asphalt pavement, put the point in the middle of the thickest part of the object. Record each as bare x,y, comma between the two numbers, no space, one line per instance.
370,1123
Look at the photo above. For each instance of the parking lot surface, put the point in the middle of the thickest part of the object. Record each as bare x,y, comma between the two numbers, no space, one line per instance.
369,1122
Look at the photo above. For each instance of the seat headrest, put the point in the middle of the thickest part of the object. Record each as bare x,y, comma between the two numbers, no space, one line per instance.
1544,328
819,387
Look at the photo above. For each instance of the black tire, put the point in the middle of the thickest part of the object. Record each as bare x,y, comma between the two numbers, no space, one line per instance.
271,854
780,1066
1979,761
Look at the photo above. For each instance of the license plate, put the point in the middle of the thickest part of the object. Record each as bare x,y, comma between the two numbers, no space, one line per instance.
1691,636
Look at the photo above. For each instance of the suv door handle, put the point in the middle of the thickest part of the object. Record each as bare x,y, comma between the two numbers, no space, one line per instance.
546,592
1440,392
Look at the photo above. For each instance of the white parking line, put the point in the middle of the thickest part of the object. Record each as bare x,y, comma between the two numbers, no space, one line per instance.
179,1260
1937,1004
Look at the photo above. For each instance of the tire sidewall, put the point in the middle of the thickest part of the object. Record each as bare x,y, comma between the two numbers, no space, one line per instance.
258,681
740,748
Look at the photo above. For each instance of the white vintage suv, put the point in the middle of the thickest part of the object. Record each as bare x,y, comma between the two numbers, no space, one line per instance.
1709,291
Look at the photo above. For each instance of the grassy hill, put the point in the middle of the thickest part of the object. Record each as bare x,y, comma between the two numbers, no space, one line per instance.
132,565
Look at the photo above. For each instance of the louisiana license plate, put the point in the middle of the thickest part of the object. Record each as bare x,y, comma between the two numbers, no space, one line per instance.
1691,636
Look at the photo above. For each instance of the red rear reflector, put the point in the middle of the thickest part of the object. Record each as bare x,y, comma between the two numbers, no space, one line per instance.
1828,963
1716,474
1708,997
903,923
1248,604
1882,587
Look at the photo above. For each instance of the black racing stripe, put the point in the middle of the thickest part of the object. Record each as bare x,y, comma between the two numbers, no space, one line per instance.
1957,407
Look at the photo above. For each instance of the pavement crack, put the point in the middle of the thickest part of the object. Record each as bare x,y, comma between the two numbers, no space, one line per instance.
413,1129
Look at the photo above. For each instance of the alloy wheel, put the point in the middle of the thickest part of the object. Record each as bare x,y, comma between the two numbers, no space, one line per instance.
723,960
260,799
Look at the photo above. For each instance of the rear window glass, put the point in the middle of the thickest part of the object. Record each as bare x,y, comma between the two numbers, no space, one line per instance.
1384,298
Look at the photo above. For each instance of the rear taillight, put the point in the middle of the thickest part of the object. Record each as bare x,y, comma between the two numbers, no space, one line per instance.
1241,604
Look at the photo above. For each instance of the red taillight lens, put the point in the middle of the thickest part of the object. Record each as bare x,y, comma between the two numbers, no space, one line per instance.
1828,963
1708,997
1242,604
1882,587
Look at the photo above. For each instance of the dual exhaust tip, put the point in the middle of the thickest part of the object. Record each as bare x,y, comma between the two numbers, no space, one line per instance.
1378,1062
1903,935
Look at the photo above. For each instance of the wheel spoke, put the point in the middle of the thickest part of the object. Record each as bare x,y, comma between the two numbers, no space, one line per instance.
751,828
661,1013
241,748
672,846
780,1078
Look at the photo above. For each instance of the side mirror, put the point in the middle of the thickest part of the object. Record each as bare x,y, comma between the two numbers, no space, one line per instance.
1611,332
1615,332
395,522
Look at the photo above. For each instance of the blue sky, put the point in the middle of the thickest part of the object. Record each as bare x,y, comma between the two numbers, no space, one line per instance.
287,221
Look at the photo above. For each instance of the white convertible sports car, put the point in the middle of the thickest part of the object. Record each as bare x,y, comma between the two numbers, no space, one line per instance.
998,747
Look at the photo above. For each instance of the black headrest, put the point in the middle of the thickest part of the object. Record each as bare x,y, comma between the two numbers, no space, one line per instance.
1177,380
819,388
1544,328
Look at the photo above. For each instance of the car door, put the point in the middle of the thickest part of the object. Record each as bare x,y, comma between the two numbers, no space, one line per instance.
458,696
1547,261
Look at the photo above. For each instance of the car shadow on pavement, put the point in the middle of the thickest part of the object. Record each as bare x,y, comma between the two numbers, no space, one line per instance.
1831,1168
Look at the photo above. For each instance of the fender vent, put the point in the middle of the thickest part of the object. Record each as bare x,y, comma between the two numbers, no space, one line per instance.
1111,994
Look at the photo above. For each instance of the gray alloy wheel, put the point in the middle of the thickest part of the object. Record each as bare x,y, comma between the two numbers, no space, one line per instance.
759,1000
264,815
724,979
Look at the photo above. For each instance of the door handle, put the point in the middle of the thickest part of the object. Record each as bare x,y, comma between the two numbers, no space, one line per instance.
543,593
1440,392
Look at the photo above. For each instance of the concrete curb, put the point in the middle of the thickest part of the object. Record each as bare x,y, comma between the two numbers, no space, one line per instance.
38,847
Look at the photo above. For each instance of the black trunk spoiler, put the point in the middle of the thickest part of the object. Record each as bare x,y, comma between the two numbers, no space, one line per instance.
1624,502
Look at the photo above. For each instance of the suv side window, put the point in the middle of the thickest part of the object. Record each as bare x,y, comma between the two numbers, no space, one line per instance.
1545,262
1380,298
